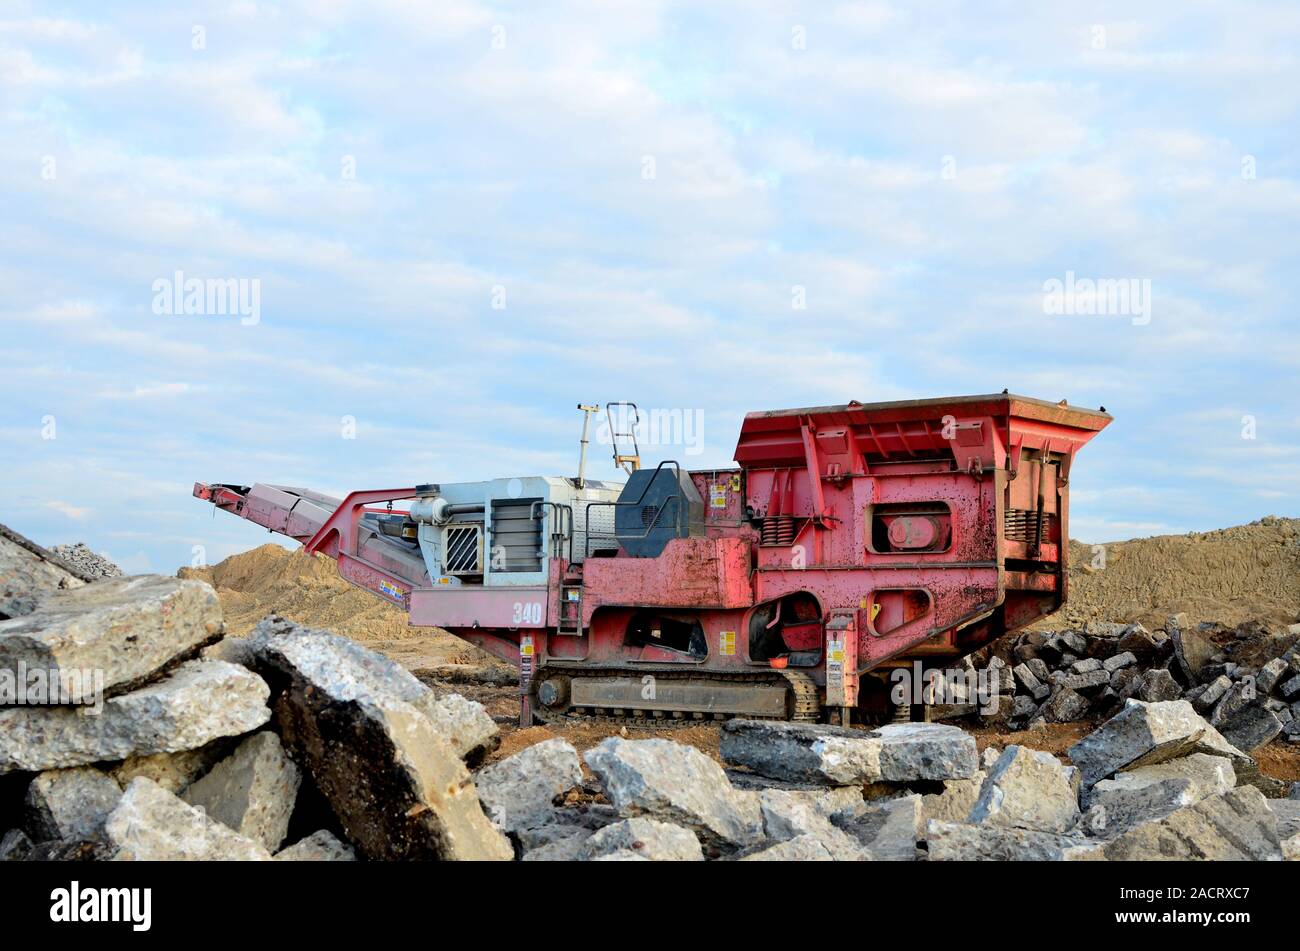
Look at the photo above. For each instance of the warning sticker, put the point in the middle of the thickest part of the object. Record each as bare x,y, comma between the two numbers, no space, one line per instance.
526,646
718,495
727,643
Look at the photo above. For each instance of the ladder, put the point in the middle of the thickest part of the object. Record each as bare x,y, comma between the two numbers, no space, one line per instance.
628,462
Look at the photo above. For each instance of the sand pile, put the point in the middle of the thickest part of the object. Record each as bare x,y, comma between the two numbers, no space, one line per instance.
1230,575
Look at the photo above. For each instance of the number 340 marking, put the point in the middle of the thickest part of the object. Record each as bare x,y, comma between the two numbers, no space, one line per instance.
528,612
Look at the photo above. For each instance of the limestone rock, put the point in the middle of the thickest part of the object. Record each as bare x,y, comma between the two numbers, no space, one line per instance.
890,831
174,772
963,842
803,848
677,784
126,628
787,816
320,846
1153,792
25,577
396,783
518,791
1144,734
151,824
920,751
1251,727
1237,826
803,752
198,702
253,791
955,801
1027,789
70,803
652,840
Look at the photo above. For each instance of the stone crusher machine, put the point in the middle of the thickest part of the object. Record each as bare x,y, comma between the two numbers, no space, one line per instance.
847,541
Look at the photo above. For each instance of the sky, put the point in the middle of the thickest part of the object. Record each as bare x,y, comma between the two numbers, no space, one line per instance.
422,233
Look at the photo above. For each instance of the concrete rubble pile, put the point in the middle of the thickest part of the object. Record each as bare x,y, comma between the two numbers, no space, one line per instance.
1058,677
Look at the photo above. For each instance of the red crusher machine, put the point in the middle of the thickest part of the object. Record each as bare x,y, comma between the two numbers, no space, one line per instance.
847,541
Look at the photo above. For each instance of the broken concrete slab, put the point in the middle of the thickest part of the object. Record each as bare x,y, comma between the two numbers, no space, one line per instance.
1153,792
787,815
803,752
26,574
322,846
1157,685
652,840
1027,789
349,671
963,842
15,846
1251,727
1143,734
1193,651
1236,826
395,782
174,772
124,629
70,803
890,830
253,791
955,801
918,751
198,702
518,791
151,824
803,848
677,784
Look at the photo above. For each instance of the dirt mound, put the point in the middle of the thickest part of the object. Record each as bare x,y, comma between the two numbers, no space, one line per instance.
307,589
1229,575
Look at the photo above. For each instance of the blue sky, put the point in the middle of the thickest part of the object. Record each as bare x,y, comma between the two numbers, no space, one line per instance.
465,218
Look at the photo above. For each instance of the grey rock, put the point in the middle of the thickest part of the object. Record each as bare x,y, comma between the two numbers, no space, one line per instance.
676,784
1025,677
349,671
1239,696
89,564
803,848
1109,630
1236,826
253,791
1119,661
1153,792
1087,665
15,846
1270,675
1027,789
787,816
1212,693
322,846
70,803
151,824
26,576
395,782
891,830
955,801
1038,667
1065,706
1291,849
1287,813
174,772
963,842
565,844
518,791
1140,642
1251,727
652,840
1192,651
1290,688
1143,734
1158,685
200,701
126,629
918,751
803,752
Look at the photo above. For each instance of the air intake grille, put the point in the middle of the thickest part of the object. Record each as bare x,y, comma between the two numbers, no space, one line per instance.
1020,525
463,545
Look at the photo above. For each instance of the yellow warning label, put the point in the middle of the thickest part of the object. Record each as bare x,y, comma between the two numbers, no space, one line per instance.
525,647
727,643
718,496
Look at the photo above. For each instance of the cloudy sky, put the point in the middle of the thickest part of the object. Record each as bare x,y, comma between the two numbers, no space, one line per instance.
462,219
